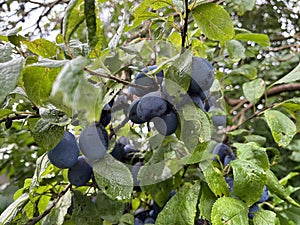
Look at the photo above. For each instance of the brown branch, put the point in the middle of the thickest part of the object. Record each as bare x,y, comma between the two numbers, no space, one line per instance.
125,82
273,91
278,49
19,117
47,211
185,26
143,31
240,116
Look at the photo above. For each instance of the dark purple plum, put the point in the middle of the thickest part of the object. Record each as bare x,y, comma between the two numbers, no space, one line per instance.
151,105
65,153
80,173
166,124
93,142
254,208
202,76
132,114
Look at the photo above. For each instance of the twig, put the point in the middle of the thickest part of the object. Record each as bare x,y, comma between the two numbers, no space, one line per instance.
273,91
19,117
185,26
47,211
92,72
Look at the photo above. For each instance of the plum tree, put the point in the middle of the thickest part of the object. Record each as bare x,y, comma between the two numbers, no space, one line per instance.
80,173
65,153
93,142
151,105
166,124
202,76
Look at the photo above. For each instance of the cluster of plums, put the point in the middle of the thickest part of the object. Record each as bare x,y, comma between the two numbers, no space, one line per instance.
153,102
225,155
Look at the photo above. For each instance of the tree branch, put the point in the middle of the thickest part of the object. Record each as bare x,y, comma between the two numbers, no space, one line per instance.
185,26
47,211
273,91
92,72
19,117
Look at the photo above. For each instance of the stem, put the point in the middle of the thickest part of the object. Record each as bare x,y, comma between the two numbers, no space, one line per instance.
112,77
47,211
19,117
185,26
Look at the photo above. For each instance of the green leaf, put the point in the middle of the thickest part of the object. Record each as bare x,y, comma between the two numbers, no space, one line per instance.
9,75
5,112
253,90
276,188
109,210
54,116
235,49
195,126
38,82
261,39
181,208
47,135
243,5
207,201
254,153
76,92
84,210
292,76
11,211
214,21
179,74
260,140
228,210
42,47
113,178
73,18
159,191
42,164
283,129
126,219
249,180
245,70
57,214
5,53
90,20
215,179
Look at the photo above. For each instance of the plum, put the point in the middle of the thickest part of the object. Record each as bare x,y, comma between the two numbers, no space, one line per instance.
142,79
80,173
93,142
132,114
166,124
228,158
254,208
105,116
221,150
151,105
65,153
202,76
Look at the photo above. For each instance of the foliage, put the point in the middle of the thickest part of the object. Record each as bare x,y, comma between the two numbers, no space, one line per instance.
87,72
